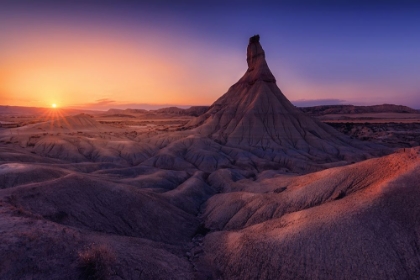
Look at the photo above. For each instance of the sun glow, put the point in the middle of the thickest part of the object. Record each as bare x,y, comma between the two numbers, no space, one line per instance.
55,116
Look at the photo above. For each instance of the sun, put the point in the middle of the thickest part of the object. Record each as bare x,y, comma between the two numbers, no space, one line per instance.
54,105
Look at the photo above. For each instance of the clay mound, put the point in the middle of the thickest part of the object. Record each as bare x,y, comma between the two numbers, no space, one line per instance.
15,174
365,228
254,114
246,201
169,111
158,181
113,208
190,195
71,251
82,149
13,155
26,238
196,110
191,153
80,122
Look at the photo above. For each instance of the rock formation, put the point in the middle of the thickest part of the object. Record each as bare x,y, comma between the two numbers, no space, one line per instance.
255,115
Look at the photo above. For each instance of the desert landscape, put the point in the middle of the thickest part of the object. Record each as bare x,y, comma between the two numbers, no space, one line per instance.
250,187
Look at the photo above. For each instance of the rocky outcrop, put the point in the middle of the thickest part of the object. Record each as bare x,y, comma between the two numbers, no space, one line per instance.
255,115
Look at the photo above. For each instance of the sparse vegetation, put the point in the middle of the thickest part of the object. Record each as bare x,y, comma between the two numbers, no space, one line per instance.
96,262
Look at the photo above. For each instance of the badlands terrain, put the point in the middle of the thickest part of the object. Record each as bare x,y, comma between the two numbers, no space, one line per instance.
250,187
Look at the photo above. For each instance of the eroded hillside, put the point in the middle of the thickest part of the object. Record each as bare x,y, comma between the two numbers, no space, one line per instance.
250,188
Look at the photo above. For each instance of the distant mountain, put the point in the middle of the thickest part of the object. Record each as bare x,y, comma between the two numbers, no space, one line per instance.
351,109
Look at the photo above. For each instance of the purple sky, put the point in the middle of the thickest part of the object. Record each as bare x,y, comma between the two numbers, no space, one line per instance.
335,52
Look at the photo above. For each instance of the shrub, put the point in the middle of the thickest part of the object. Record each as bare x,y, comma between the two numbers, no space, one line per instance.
96,262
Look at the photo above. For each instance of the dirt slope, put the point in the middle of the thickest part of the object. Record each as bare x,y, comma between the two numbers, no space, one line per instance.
355,222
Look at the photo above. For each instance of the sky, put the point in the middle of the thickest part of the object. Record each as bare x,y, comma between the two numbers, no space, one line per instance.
123,54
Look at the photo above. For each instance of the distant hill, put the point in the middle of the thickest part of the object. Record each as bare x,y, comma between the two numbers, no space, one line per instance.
126,111
194,111
22,110
118,116
79,122
351,109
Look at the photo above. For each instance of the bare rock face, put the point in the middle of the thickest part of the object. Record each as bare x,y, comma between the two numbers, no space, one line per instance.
257,66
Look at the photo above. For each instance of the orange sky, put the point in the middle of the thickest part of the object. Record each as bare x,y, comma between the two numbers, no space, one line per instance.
90,68
113,55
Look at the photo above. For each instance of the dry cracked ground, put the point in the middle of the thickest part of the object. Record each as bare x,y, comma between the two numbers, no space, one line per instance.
250,188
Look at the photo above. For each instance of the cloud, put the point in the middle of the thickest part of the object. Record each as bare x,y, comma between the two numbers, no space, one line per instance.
317,102
98,104
102,102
